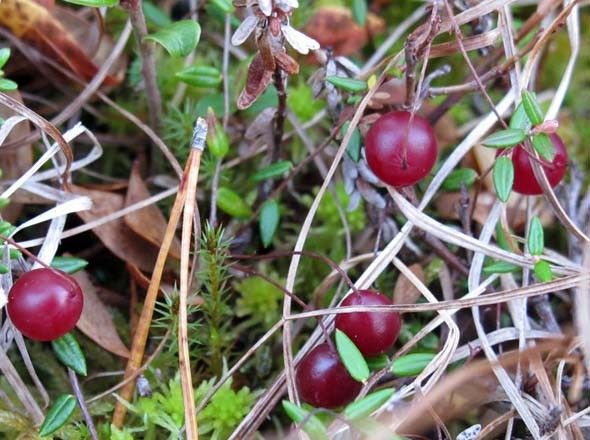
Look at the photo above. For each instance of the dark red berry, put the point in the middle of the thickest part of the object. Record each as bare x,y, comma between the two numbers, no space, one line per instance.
400,153
45,304
525,181
372,332
322,379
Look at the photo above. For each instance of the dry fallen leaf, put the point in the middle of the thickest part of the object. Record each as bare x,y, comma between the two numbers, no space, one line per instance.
334,27
36,25
116,235
96,321
148,222
404,291
14,161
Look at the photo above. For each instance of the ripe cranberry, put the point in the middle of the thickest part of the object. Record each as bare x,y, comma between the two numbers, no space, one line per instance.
372,332
398,152
525,181
45,304
322,379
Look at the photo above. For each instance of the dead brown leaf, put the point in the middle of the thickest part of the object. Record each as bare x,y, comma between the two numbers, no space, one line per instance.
148,222
96,321
15,161
404,291
334,26
116,235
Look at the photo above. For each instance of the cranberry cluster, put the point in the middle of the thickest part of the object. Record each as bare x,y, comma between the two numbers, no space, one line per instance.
45,304
322,379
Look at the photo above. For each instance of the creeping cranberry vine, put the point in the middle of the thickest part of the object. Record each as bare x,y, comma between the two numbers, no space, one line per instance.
401,148
45,304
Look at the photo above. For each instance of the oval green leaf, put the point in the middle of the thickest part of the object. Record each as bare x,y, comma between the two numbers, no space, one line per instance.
536,238
311,424
225,5
179,39
269,221
58,414
359,11
348,84
411,364
365,407
274,170
231,203
352,358
69,264
532,108
543,145
519,119
200,76
353,149
94,3
69,353
7,85
505,138
4,55
218,142
377,362
543,271
462,176
500,267
503,176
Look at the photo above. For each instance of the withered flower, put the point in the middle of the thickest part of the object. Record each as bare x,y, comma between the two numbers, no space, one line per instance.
269,22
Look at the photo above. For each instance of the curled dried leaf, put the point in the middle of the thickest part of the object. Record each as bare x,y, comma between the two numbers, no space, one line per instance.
258,80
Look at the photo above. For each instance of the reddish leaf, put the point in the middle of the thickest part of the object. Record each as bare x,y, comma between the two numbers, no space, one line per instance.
287,63
96,321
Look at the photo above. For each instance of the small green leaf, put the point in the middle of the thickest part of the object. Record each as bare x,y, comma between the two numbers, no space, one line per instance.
4,55
155,15
532,108
179,39
500,267
269,221
462,176
69,264
359,11
231,203
3,269
411,364
543,145
365,407
94,3
4,202
348,84
274,170
543,271
352,358
519,119
7,85
224,5
535,240
505,138
69,353
353,149
501,238
218,142
312,425
58,414
200,76
503,176
14,254
377,362
6,228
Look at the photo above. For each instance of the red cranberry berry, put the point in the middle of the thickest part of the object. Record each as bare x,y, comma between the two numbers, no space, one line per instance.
45,304
322,379
525,181
400,153
372,332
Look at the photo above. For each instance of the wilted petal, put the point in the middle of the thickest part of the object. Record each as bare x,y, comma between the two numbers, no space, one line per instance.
244,30
258,80
286,63
370,194
265,6
367,174
300,42
354,201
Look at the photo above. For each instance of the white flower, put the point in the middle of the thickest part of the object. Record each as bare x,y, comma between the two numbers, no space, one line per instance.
244,30
265,7
298,40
